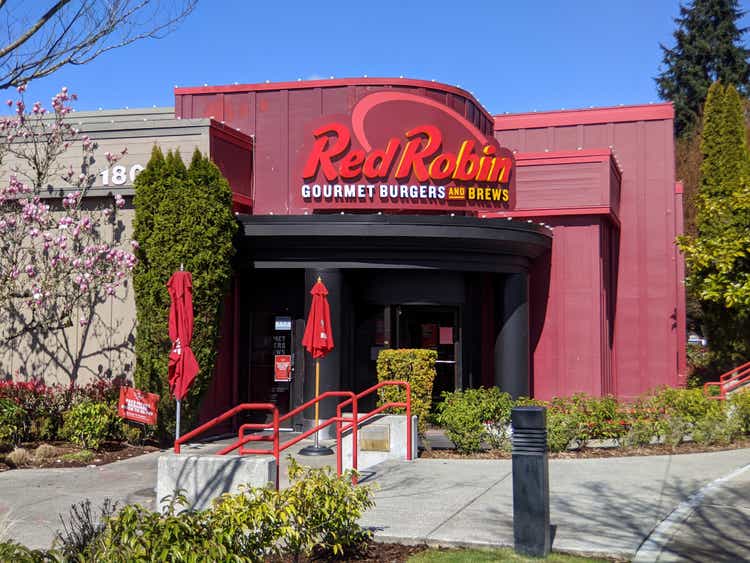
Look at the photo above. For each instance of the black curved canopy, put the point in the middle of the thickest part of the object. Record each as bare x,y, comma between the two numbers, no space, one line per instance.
390,241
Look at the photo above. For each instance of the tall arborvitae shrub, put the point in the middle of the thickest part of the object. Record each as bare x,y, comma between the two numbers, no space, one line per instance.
718,257
184,217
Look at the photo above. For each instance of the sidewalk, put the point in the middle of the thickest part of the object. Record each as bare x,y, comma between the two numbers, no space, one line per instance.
606,506
598,506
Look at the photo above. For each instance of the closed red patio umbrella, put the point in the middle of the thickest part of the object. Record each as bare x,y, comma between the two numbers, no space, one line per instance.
183,366
318,341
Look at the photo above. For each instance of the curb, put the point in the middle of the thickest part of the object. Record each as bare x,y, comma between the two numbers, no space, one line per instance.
652,547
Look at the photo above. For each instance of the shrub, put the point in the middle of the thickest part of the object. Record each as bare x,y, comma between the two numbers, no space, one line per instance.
689,404
181,216
249,523
472,416
738,407
45,452
716,429
89,423
15,552
673,429
317,515
329,526
12,418
415,366
562,429
133,433
137,534
640,433
18,457
81,527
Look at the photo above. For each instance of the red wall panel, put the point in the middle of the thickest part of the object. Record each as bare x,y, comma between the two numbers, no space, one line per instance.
648,307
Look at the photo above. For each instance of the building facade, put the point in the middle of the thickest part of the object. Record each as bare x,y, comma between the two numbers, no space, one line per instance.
534,252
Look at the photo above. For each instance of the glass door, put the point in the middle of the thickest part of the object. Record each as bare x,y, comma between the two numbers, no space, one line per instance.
433,328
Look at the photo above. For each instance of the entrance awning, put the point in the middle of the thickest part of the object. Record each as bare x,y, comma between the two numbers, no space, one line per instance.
391,241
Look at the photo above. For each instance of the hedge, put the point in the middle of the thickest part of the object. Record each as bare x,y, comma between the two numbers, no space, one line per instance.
182,216
416,366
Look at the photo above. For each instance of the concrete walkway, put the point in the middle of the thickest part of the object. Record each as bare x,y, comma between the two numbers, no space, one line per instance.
605,506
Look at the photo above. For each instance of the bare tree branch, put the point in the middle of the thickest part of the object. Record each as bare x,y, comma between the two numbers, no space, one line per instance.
74,32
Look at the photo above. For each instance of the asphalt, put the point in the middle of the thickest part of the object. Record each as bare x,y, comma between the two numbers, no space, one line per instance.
692,507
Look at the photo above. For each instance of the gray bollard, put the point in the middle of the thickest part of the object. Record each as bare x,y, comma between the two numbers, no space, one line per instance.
531,529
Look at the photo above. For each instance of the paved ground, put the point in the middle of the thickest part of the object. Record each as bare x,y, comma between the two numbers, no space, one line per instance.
597,505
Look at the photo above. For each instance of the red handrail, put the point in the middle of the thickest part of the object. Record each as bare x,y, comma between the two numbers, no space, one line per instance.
339,420
221,418
728,381
356,420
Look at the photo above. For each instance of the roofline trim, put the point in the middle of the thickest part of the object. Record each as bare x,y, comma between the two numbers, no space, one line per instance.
588,116
331,83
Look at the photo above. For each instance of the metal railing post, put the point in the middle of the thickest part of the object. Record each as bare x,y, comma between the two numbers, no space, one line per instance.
408,422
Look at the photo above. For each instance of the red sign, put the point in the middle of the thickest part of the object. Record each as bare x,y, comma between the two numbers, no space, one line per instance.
282,367
137,405
404,151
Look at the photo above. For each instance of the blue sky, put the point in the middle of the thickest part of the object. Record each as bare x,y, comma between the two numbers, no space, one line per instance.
513,56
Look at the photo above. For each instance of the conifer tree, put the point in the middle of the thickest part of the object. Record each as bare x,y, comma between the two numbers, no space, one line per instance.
186,219
708,48
718,257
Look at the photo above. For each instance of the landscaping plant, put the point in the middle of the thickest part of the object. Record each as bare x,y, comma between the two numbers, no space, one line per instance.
415,366
183,216
89,423
315,517
475,416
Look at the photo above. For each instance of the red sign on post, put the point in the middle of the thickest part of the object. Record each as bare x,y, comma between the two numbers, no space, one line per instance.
137,405
282,367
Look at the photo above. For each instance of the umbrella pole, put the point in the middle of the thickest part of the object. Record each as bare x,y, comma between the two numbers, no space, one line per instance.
177,424
316,448
317,403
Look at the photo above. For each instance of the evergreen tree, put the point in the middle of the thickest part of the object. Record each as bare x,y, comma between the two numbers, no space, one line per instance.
718,257
186,219
708,48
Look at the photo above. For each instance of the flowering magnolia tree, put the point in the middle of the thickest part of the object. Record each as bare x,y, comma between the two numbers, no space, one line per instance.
57,262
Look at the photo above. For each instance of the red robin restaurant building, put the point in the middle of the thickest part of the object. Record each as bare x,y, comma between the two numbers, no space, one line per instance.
533,251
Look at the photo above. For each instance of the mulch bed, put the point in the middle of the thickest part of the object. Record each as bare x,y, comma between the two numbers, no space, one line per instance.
109,452
584,453
376,553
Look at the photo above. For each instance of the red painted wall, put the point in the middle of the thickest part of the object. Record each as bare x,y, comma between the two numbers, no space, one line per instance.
280,115
613,318
649,305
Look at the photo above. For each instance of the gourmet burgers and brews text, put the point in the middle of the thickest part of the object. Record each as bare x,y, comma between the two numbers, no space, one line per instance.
420,165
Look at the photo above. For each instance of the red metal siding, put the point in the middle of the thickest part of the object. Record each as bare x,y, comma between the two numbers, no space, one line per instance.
279,116
568,353
649,309
232,152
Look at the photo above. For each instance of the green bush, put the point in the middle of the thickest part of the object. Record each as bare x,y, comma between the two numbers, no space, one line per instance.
673,429
562,429
320,512
316,516
15,552
137,534
716,429
250,524
689,404
89,423
12,419
182,216
415,366
640,433
738,407
473,416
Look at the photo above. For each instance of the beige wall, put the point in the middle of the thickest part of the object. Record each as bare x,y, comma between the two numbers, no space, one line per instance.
105,346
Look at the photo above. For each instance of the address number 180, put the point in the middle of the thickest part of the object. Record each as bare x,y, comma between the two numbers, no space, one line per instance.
119,175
